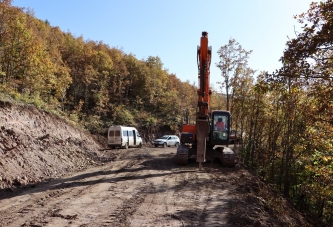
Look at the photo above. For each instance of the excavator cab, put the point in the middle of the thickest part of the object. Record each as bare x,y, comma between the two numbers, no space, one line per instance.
220,127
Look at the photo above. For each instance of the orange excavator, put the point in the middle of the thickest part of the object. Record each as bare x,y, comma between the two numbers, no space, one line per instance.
209,136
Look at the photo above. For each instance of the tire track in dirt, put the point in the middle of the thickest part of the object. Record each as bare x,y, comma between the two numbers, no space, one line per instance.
27,206
127,193
189,200
142,187
173,201
99,201
154,210
56,200
125,196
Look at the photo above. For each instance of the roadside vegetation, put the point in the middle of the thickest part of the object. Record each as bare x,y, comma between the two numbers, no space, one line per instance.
285,117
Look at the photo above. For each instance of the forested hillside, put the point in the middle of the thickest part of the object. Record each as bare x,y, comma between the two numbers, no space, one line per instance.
87,81
285,117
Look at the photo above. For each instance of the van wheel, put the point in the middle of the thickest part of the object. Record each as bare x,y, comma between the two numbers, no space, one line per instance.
177,144
164,145
140,145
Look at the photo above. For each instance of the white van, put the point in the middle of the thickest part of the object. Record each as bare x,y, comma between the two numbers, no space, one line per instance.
124,137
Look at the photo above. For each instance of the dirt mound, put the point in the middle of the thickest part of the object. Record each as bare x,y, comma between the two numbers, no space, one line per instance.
259,204
36,146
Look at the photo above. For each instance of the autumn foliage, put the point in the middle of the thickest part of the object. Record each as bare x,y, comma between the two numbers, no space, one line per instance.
286,116
88,82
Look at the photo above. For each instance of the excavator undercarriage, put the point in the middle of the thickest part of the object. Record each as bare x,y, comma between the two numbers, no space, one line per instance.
224,154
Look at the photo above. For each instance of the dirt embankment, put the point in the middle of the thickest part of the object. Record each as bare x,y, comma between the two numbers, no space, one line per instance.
36,145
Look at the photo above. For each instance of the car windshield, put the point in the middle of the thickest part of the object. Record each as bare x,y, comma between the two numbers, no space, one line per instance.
164,137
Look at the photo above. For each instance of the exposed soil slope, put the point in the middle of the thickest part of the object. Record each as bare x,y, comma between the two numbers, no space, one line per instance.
36,145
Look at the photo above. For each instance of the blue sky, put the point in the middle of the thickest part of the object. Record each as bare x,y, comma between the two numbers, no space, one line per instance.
171,29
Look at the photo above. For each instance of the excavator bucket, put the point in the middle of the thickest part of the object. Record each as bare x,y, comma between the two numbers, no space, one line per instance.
182,155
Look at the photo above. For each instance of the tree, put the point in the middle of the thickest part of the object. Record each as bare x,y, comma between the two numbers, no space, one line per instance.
309,55
303,100
232,60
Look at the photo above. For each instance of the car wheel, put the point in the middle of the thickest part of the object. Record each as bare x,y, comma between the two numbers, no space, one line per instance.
140,145
177,144
164,145
156,145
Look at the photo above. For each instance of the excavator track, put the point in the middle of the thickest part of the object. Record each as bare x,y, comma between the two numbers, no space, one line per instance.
182,155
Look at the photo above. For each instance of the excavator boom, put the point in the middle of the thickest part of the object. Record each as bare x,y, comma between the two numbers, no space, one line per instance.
204,60
202,119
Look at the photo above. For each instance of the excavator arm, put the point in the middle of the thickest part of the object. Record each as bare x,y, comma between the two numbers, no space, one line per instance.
202,119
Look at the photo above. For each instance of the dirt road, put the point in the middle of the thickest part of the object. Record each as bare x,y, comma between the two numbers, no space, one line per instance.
144,187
